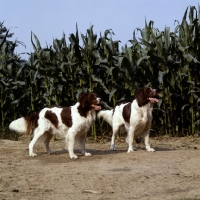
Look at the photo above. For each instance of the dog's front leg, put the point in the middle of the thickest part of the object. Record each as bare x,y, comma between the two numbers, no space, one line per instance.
130,139
82,145
146,141
70,138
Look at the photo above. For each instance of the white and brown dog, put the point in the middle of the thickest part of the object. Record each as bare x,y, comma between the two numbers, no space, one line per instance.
72,123
134,117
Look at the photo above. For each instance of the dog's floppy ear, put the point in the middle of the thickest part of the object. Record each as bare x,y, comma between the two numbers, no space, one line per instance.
140,97
83,100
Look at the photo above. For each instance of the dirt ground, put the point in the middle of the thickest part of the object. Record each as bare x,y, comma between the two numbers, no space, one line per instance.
172,172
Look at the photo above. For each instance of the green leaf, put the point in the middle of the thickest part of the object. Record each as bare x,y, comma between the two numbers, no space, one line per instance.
101,83
112,93
141,59
190,58
38,47
4,39
161,76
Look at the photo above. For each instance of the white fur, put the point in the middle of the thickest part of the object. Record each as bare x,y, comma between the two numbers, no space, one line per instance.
46,130
18,125
107,115
140,123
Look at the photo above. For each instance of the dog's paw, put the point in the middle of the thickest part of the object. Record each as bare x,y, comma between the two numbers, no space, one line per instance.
88,154
112,147
134,148
33,154
130,150
150,149
51,152
74,156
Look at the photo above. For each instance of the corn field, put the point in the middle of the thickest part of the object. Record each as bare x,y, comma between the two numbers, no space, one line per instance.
56,75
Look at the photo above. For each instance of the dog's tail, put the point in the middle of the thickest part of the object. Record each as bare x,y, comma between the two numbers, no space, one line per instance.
107,115
25,124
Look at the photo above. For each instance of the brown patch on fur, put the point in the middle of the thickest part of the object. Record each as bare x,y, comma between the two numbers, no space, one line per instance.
86,100
143,94
32,122
66,116
51,117
127,112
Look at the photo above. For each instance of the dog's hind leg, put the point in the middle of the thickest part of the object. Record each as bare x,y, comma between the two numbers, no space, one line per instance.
48,137
36,135
115,131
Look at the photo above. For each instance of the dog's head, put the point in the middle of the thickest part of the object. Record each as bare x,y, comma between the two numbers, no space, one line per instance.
146,95
89,101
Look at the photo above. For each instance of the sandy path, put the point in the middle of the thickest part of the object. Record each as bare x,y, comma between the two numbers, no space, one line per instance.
172,172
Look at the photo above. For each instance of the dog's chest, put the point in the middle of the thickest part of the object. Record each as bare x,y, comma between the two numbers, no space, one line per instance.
84,123
88,120
143,118
143,124
146,116
145,113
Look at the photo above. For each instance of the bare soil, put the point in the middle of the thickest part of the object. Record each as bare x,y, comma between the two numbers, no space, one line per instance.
172,172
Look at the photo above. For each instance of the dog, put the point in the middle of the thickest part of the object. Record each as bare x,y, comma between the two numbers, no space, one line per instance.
71,123
133,117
